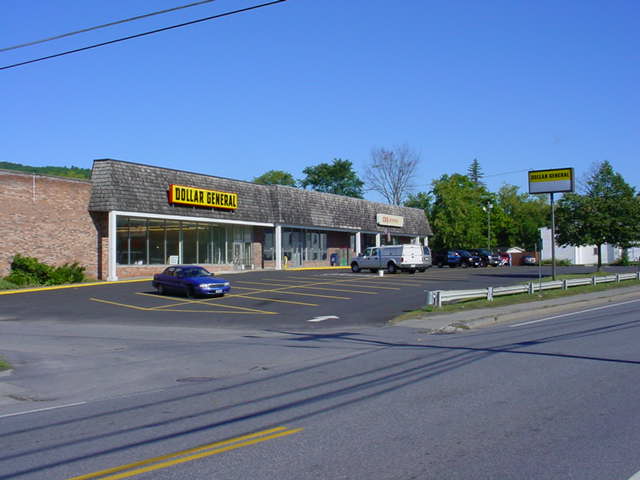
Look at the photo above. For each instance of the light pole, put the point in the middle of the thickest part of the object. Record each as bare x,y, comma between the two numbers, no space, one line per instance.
488,210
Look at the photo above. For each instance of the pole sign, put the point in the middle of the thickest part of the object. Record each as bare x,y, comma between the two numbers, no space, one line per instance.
551,181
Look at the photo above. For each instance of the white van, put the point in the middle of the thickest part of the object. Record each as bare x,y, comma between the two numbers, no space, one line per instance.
408,257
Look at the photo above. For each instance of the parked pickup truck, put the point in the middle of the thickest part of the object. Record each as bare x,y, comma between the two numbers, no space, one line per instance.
392,258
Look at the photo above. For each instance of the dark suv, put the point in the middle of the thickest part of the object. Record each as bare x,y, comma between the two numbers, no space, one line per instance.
469,260
487,257
446,257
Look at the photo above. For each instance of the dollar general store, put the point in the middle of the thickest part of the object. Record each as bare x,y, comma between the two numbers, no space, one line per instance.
131,220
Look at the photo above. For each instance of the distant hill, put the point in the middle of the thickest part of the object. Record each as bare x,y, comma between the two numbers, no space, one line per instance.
71,172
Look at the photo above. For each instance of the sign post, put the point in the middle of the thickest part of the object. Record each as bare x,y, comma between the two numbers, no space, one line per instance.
558,180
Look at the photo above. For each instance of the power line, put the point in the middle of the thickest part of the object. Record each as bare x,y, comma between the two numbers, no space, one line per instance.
110,24
130,37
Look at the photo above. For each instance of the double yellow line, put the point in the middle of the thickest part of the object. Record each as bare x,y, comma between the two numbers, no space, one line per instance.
183,456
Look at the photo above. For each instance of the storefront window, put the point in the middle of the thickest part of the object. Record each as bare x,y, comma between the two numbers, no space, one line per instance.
268,251
204,243
156,241
138,241
189,242
172,242
122,241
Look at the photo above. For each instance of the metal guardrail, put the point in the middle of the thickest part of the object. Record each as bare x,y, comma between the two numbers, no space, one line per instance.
440,297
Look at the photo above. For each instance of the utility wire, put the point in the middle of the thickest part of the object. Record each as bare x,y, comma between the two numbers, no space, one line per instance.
97,27
68,52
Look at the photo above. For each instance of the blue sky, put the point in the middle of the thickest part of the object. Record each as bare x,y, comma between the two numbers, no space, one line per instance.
516,84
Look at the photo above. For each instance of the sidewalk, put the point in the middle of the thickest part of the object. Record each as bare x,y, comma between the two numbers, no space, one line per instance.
460,321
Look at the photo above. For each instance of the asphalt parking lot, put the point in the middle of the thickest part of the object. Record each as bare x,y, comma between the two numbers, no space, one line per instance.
270,300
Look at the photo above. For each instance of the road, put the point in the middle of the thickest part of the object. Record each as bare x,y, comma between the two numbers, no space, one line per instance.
553,399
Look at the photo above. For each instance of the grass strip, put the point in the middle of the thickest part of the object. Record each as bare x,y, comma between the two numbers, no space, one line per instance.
504,300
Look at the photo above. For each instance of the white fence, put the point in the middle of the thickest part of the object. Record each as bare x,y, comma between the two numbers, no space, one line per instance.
440,297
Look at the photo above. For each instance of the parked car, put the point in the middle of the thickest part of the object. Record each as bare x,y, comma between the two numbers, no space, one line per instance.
192,280
486,255
446,257
529,260
426,259
408,257
469,260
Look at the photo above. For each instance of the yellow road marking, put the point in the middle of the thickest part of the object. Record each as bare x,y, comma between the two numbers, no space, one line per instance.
250,296
281,291
312,286
189,455
233,295
168,308
120,304
75,285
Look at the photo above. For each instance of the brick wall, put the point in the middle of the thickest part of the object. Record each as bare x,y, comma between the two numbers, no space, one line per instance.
47,218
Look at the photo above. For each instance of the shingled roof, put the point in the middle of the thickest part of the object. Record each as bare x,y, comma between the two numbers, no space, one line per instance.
133,187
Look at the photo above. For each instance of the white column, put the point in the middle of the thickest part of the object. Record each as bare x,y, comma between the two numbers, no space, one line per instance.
112,272
278,247
377,239
358,242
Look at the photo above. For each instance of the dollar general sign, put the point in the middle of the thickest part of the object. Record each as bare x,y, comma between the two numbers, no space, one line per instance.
202,198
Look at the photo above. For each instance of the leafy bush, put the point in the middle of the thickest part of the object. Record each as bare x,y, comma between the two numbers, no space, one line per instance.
29,271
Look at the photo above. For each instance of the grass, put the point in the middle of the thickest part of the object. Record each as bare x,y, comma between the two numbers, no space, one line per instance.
4,365
518,298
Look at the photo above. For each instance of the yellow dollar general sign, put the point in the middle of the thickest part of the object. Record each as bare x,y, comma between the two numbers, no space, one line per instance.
551,181
202,198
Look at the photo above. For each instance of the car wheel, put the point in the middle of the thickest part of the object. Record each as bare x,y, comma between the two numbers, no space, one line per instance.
190,292
392,267
161,290
355,268
421,270
440,265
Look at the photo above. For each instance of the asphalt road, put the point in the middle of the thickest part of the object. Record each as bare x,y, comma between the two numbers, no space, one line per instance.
552,399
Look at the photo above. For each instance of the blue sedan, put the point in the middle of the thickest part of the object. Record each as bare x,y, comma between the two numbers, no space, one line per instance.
191,280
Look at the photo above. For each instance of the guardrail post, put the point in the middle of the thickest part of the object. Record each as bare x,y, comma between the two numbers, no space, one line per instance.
490,294
438,299
594,281
617,278
530,291
564,284
637,275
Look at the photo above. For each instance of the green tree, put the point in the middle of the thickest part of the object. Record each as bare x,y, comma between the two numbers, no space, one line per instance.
275,177
523,216
608,212
457,217
337,177
474,172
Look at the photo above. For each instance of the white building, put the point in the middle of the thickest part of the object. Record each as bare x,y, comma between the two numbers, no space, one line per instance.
585,255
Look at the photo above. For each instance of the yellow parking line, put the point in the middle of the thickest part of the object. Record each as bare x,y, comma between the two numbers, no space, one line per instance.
188,455
168,308
120,304
250,296
233,295
281,291
311,285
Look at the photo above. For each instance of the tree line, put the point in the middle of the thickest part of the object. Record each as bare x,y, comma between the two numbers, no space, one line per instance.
71,172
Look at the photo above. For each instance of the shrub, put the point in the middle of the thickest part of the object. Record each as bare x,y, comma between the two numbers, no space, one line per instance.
29,271
561,263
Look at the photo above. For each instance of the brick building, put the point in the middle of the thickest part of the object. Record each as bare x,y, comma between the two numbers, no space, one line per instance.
131,220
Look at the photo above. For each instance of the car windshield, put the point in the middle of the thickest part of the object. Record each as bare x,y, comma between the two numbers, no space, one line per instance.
484,251
196,272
